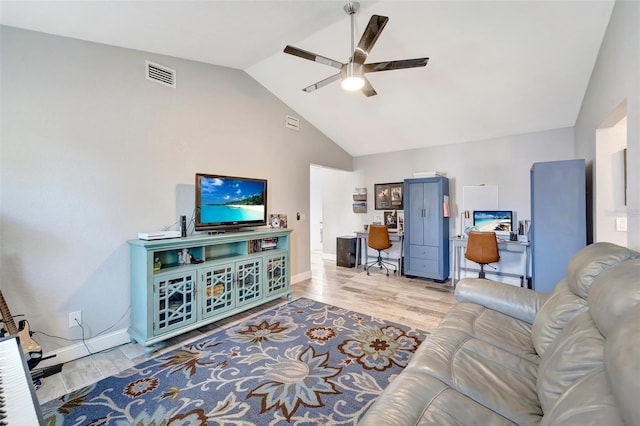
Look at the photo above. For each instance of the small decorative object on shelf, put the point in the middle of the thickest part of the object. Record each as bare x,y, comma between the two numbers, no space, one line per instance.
157,265
184,257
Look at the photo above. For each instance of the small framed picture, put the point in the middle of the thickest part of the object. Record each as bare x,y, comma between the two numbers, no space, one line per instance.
278,221
391,219
388,196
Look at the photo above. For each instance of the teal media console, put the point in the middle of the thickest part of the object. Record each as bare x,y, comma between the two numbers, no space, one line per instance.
236,271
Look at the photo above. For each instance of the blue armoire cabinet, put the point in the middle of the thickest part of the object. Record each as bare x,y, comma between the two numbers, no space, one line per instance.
558,219
426,237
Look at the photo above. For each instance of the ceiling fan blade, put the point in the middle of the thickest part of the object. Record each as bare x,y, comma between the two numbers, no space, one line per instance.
395,65
369,37
312,57
322,83
368,89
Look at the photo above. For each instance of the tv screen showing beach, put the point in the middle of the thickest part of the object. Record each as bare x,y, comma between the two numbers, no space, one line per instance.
224,200
495,221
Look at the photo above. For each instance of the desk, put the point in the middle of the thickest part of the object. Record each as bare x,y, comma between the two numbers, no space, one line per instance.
457,244
393,236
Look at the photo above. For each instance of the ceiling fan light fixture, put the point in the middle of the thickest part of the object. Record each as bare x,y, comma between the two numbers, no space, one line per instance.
352,83
353,79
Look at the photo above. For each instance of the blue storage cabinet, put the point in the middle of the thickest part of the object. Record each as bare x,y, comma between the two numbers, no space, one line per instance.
426,240
558,219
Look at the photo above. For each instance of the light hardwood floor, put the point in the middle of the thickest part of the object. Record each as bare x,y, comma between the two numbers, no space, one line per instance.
413,302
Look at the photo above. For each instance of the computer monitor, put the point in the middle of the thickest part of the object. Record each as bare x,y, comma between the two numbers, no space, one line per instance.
499,221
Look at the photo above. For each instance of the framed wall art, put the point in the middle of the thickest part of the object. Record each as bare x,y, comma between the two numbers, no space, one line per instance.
389,196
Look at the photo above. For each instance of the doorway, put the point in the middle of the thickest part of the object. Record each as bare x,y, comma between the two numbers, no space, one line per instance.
610,198
330,209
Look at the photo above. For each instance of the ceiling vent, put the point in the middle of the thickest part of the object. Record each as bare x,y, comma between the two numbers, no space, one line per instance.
160,74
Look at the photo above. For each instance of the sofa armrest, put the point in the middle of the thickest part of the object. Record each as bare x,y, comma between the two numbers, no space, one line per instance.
517,302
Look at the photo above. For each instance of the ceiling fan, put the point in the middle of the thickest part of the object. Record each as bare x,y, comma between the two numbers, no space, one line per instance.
353,72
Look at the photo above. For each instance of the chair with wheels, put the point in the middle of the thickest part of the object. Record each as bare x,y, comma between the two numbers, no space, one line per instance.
482,248
379,240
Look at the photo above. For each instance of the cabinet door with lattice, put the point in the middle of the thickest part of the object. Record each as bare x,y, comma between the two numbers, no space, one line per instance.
174,301
249,281
277,278
216,289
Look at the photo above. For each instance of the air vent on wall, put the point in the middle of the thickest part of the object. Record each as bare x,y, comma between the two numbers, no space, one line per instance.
292,123
160,74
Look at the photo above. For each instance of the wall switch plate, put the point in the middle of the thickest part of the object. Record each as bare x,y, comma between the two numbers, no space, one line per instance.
621,224
73,316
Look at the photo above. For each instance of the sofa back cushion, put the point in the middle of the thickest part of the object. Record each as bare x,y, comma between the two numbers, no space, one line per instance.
569,297
561,306
609,394
622,365
591,261
579,349
615,293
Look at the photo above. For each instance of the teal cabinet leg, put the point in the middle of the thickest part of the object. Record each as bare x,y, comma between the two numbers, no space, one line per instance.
289,296
148,350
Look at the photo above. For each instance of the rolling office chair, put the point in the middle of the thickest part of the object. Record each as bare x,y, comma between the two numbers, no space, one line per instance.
379,240
482,248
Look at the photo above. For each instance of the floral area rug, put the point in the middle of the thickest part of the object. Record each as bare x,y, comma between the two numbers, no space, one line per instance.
304,362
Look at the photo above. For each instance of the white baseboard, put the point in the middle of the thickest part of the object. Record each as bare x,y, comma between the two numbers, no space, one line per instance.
78,350
300,277
329,256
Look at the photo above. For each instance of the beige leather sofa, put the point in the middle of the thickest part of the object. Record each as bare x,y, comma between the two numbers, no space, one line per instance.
506,355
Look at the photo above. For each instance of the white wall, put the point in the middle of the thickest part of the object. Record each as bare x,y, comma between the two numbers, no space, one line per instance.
93,153
315,207
504,162
616,79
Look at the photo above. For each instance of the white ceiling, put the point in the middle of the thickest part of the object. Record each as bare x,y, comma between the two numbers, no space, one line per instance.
496,68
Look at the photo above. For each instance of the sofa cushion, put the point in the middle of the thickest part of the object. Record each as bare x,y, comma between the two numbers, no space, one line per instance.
553,316
503,382
591,261
419,399
614,293
492,327
587,402
577,351
622,365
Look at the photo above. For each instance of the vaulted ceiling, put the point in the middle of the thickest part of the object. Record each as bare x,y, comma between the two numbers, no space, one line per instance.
496,68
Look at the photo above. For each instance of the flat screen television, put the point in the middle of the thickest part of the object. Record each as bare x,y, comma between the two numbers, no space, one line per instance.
498,221
228,202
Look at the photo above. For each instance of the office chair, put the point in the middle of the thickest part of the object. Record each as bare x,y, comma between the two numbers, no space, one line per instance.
379,240
482,248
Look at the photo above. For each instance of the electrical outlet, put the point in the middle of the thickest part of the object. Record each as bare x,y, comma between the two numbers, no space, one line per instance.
73,316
